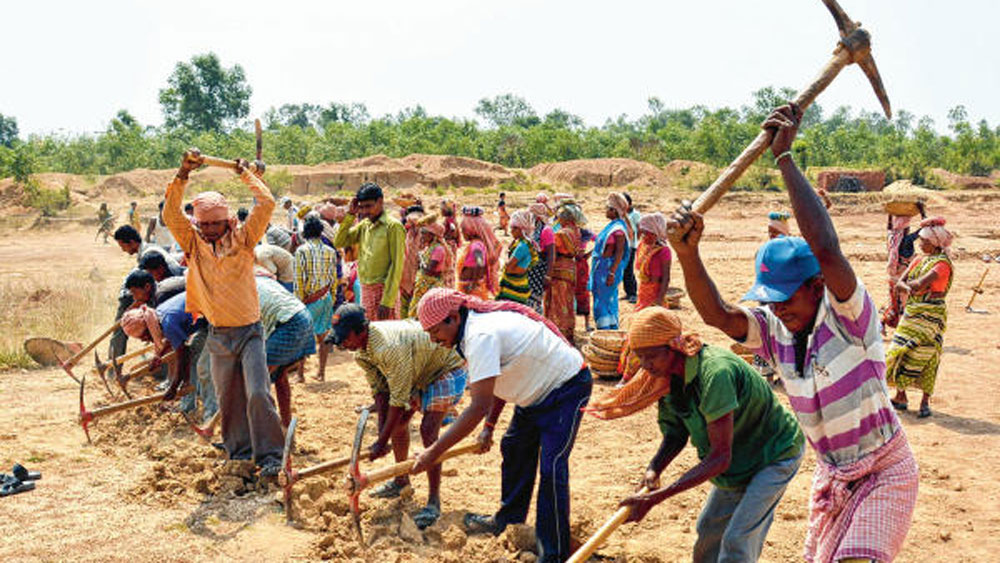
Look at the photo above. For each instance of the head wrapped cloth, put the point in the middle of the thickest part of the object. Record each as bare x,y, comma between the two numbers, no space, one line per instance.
540,210
778,220
331,212
560,197
569,210
932,229
210,207
655,223
438,303
542,197
651,327
523,220
474,222
136,322
618,202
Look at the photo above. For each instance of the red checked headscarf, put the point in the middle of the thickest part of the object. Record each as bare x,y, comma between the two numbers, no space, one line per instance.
135,323
651,327
440,302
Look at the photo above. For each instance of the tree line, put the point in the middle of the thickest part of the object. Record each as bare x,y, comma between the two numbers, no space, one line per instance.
207,105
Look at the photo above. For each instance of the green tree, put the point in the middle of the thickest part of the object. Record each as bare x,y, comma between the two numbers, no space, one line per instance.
507,110
8,131
203,96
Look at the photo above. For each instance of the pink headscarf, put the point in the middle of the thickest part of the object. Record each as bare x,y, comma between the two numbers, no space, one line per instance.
440,302
933,230
447,268
210,207
618,202
523,220
331,212
135,322
540,210
542,197
655,223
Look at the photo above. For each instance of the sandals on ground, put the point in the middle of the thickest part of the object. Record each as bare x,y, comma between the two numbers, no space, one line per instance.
924,412
427,516
481,524
898,405
390,489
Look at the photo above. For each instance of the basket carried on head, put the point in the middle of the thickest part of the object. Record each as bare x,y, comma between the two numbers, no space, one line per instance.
902,208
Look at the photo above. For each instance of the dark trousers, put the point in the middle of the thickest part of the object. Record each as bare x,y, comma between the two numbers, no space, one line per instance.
119,340
546,431
631,286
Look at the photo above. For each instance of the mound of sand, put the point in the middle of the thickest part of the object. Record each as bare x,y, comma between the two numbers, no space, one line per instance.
350,174
445,170
601,172
962,182
843,179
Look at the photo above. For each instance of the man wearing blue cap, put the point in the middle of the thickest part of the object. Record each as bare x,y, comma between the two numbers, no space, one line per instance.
818,325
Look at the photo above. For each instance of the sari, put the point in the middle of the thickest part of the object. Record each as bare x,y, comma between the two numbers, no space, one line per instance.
915,352
424,281
515,287
649,285
605,296
560,297
480,287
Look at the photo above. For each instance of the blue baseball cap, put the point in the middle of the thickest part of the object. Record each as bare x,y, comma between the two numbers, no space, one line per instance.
783,265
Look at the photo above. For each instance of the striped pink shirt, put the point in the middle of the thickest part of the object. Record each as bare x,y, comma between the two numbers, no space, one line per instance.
841,399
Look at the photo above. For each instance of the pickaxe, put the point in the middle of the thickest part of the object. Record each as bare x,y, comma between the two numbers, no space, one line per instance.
257,166
142,368
101,368
360,481
595,541
854,47
69,364
288,476
978,290
86,417
208,430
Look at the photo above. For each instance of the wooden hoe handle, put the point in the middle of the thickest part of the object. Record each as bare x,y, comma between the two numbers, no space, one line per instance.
595,541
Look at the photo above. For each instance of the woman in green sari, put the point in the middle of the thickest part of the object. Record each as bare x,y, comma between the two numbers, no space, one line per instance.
915,352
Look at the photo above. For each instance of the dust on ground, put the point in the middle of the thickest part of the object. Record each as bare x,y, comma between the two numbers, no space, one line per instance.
150,489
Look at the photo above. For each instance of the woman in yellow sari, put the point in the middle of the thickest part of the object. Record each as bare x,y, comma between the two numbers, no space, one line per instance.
437,262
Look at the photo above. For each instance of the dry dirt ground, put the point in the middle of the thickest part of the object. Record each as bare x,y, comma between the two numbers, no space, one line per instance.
149,489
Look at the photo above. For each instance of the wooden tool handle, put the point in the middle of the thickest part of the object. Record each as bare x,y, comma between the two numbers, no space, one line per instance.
142,368
719,188
76,358
403,467
325,467
102,411
125,357
223,163
595,541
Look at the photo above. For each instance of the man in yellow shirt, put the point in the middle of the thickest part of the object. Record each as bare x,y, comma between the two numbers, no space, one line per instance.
221,287
382,242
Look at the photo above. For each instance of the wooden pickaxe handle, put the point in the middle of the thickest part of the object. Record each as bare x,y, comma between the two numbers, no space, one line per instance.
322,468
124,357
230,164
143,367
979,287
118,407
403,467
68,364
602,534
841,58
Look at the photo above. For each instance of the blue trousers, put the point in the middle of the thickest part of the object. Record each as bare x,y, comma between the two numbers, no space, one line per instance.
540,439
733,524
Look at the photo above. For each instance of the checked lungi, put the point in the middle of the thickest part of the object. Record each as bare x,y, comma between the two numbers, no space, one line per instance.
444,394
290,341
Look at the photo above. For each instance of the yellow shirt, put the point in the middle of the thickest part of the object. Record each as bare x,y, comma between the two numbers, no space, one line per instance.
381,252
220,280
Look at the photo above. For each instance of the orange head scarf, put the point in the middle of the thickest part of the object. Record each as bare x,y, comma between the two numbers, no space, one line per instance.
651,327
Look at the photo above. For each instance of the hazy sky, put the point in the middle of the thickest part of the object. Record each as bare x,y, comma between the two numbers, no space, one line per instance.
69,66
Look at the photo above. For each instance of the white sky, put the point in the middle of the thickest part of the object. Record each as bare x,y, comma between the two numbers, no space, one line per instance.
69,66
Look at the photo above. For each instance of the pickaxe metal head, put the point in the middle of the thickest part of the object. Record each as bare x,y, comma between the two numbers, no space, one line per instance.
287,477
358,479
85,415
858,42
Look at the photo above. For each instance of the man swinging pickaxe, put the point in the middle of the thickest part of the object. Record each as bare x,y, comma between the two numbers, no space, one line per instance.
257,166
853,47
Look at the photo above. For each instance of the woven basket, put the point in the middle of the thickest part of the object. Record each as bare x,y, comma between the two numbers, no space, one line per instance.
601,353
610,340
902,208
598,362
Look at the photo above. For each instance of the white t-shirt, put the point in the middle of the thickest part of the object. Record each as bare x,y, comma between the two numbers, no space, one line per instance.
527,359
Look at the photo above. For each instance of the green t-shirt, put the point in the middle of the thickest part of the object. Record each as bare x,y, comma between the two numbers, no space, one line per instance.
717,382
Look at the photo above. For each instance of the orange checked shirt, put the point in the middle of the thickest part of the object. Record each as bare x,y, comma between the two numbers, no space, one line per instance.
220,280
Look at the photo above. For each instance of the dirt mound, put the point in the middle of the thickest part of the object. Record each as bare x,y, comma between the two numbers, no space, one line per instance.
445,170
846,180
951,180
350,174
601,172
